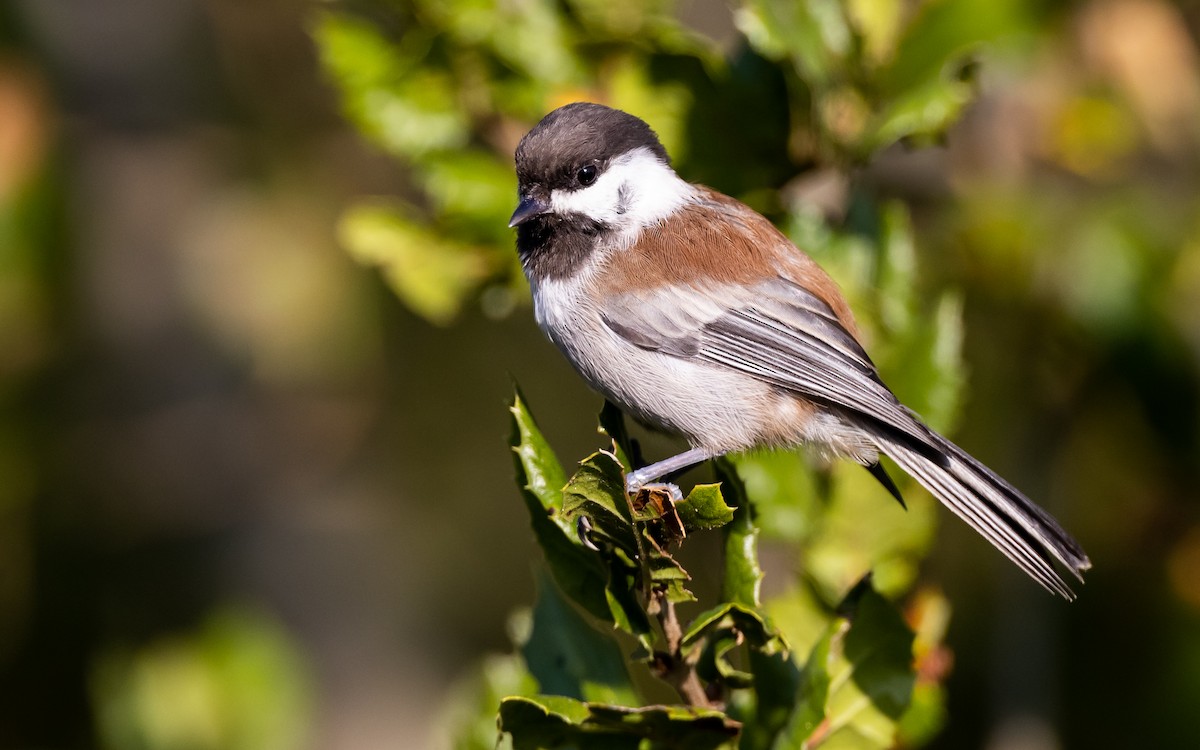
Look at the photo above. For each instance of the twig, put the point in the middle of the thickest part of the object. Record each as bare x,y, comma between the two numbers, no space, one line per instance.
676,668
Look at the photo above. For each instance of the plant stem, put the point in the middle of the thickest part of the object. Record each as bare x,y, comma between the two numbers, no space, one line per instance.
678,669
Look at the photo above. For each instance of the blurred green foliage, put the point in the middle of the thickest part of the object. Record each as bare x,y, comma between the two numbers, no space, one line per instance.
238,683
449,88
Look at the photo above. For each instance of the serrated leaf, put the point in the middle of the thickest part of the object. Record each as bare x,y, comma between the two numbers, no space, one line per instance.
538,469
597,492
540,476
547,723
704,508
665,571
569,657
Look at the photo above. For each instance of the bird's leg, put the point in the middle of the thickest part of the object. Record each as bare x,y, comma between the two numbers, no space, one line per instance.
636,480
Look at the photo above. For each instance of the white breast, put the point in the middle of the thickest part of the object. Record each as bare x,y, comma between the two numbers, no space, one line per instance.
713,407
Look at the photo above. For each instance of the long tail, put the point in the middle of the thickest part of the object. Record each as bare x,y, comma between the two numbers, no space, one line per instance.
1025,533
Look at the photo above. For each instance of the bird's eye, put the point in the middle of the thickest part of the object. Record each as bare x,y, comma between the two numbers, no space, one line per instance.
586,174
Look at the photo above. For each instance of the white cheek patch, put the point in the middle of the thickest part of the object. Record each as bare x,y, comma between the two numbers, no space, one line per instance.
635,191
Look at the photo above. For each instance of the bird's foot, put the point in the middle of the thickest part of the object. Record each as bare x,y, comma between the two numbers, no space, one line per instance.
636,489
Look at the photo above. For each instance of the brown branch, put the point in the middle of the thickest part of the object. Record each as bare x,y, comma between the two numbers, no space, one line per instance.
673,666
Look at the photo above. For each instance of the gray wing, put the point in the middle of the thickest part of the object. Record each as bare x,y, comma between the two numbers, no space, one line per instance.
775,331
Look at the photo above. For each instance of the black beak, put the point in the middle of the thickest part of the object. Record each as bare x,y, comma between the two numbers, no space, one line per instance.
529,207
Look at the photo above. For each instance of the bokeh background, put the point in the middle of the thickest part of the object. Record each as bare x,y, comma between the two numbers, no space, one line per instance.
250,499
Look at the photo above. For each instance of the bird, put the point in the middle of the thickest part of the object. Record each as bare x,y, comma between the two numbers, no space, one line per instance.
697,317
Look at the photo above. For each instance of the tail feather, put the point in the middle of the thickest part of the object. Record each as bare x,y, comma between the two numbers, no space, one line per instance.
1021,530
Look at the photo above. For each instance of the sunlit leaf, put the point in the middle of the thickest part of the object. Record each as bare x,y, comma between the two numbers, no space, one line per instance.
433,274
704,508
743,574
942,32
815,35
858,680
878,23
540,476
925,112
472,187
407,108
663,105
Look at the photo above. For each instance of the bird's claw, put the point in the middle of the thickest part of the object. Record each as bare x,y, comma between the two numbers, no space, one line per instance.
671,490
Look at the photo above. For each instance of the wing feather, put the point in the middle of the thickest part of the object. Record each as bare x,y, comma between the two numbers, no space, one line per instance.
775,331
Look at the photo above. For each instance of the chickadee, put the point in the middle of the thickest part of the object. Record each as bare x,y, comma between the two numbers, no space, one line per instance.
696,316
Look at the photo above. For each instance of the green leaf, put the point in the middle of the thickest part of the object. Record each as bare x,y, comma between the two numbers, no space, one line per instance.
540,476
943,32
665,571
814,35
433,275
406,107
879,650
715,664
743,575
596,495
746,621
704,508
473,189
538,470
809,712
597,492
569,657
546,723
240,682
925,113
925,717
858,680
